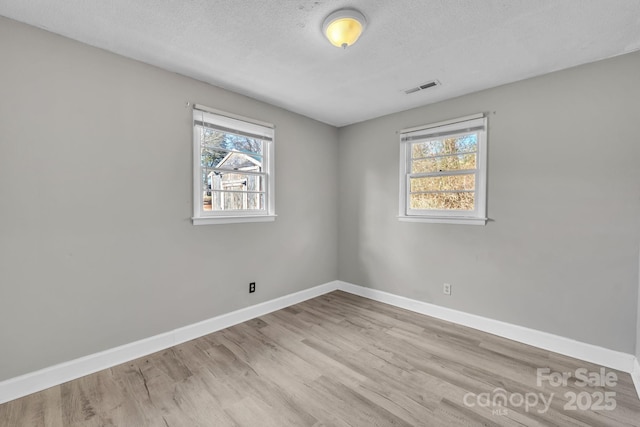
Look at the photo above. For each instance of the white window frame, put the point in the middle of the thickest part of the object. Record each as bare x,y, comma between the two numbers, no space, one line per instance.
462,125
243,125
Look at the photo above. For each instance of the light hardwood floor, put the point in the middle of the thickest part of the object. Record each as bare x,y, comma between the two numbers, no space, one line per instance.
335,360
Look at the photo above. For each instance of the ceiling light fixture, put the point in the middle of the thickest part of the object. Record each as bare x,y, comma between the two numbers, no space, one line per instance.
343,27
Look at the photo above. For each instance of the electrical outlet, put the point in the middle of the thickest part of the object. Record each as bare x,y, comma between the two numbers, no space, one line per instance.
252,287
446,289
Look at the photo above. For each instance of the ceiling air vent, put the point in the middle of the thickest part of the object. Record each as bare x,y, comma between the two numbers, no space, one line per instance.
424,86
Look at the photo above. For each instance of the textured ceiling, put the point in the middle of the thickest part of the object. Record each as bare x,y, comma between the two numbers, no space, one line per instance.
273,50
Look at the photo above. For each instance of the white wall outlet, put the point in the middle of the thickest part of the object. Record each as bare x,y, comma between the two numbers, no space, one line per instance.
446,289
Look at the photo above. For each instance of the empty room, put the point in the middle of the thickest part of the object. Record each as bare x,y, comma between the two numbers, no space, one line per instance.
319,213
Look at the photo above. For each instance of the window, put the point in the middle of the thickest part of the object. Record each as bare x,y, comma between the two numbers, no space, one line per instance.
443,172
233,168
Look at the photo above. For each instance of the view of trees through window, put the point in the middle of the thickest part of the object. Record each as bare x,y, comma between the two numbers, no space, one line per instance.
443,173
232,171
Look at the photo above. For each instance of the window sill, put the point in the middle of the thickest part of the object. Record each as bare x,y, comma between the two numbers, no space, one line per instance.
445,220
232,219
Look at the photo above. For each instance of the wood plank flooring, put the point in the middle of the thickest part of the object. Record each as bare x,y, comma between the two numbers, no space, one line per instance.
335,360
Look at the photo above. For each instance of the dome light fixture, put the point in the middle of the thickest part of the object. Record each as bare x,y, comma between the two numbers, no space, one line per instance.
343,27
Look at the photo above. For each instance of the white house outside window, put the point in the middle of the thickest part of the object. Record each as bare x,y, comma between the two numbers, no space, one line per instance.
233,168
443,172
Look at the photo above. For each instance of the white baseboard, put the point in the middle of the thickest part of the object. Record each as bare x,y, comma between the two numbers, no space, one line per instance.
32,382
635,375
566,346
39,380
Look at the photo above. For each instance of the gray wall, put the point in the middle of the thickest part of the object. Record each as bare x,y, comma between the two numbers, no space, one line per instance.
96,243
638,320
561,251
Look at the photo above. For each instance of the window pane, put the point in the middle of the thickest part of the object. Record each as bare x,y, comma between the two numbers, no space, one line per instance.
215,183
212,138
443,201
447,163
211,158
228,201
460,144
443,183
